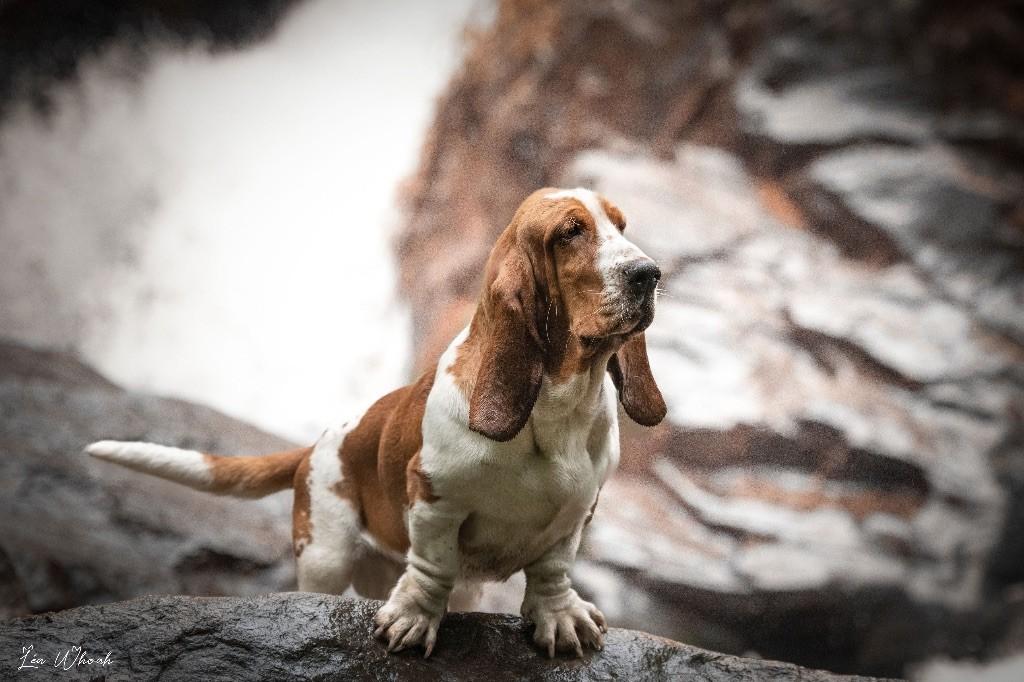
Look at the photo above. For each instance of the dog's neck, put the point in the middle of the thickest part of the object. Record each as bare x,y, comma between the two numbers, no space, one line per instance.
577,393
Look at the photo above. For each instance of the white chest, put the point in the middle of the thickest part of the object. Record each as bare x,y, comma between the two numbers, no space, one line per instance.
523,496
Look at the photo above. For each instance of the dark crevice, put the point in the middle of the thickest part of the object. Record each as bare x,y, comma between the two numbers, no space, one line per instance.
815,448
677,265
830,218
207,560
766,157
13,593
741,534
828,350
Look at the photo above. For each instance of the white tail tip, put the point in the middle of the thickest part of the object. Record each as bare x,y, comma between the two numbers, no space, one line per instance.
184,466
105,449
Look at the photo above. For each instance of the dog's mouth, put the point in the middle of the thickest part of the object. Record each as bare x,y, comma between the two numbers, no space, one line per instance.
616,319
622,327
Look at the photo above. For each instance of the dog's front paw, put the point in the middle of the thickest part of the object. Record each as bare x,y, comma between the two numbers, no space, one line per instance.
403,623
566,624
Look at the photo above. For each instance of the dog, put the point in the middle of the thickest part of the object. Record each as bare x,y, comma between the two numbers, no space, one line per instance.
489,463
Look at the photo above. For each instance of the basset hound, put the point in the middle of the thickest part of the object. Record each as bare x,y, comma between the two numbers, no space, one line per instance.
490,463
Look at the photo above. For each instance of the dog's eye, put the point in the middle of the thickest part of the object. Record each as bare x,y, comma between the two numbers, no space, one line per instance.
572,230
621,226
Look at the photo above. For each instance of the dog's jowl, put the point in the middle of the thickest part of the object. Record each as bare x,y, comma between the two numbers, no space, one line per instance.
489,463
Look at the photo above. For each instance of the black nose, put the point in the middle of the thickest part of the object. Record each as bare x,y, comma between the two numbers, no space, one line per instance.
642,275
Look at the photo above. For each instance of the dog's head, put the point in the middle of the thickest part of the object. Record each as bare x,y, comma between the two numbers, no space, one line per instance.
563,286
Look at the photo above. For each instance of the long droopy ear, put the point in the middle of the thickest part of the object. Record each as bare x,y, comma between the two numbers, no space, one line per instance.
512,363
631,373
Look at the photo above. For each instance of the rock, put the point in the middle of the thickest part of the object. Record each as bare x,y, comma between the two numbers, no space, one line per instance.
945,215
821,437
313,636
1002,670
46,40
834,75
834,108
833,192
74,530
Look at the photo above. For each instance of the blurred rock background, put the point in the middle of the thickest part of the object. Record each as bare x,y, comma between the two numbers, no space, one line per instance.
836,194
77,531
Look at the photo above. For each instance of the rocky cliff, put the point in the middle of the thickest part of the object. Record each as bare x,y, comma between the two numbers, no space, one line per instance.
45,40
834,193
311,636
74,530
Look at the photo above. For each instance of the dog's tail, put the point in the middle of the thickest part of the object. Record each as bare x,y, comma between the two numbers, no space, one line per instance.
236,476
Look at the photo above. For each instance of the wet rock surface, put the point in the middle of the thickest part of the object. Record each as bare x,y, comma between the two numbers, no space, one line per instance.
74,530
310,636
833,193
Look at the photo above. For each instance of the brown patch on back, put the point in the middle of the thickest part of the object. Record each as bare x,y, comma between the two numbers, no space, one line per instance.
375,458
301,523
255,476
345,488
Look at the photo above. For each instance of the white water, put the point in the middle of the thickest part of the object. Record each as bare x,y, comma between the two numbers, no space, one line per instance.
219,229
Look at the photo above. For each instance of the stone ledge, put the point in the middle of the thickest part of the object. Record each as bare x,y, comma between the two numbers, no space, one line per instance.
314,636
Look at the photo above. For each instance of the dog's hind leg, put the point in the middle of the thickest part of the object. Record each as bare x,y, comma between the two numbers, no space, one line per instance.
325,524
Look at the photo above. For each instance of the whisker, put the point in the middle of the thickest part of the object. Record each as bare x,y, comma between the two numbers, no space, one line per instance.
547,324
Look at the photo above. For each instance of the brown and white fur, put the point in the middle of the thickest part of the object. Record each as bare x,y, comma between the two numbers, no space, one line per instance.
488,464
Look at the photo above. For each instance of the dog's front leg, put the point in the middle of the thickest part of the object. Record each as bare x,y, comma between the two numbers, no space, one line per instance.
561,619
413,612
